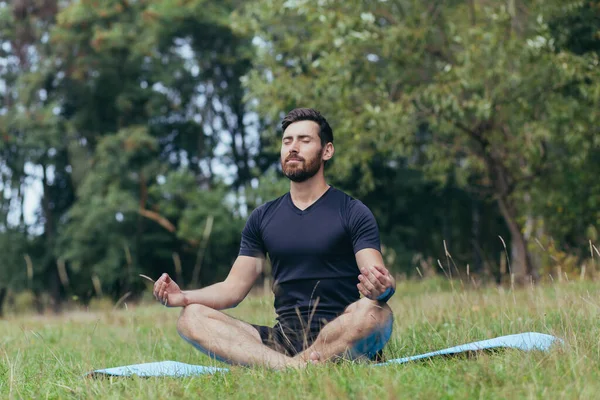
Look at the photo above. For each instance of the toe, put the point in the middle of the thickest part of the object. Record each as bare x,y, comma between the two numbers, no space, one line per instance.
315,357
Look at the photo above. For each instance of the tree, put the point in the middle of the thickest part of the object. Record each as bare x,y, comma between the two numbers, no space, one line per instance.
138,92
151,89
569,199
486,92
32,136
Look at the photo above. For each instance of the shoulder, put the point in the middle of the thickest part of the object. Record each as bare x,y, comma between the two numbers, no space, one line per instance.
359,222
265,210
350,206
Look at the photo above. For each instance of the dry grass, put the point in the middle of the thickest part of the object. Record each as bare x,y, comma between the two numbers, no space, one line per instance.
45,357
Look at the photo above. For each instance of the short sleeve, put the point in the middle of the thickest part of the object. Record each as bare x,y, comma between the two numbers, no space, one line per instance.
363,227
252,244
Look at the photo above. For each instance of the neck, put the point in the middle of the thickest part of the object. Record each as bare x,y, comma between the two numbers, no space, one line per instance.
309,190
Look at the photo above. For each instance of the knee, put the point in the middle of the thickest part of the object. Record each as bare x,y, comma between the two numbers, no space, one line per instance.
190,316
370,316
371,307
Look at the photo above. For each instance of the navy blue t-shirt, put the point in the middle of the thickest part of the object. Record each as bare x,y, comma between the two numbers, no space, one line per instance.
312,253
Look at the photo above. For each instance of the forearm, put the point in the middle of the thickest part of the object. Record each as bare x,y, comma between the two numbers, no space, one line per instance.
218,296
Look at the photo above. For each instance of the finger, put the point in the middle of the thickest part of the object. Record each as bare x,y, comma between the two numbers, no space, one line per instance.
164,287
167,278
366,272
372,279
383,270
380,279
161,291
156,289
158,284
375,277
361,289
366,283
386,278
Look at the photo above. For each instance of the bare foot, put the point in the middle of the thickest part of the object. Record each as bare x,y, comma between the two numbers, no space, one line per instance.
315,357
296,363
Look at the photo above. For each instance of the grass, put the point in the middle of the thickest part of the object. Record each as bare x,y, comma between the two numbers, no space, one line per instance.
46,356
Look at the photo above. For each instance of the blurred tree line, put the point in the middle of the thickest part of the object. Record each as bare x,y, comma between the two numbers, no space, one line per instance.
149,130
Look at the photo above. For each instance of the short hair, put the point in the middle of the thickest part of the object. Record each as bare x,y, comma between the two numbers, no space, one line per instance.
310,114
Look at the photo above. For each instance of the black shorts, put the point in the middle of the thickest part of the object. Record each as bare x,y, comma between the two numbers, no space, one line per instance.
290,341
286,340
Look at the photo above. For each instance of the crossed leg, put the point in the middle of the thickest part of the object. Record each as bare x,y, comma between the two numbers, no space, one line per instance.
237,342
227,339
364,326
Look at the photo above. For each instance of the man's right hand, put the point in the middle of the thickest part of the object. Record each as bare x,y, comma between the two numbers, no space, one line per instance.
168,292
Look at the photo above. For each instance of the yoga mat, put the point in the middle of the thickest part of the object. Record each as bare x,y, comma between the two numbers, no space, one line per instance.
523,341
160,368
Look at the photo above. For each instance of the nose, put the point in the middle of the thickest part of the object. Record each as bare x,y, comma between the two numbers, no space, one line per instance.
294,147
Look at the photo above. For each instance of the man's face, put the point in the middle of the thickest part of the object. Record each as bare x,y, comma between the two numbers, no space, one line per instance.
301,151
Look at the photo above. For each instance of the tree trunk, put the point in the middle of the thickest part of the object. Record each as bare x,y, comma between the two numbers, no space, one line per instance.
38,301
238,130
476,236
472,12
3,292
49,233
54,290
521,267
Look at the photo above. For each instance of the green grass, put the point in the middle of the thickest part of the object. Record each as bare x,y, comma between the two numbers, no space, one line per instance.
46,356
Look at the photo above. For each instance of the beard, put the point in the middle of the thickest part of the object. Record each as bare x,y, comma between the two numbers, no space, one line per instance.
304,169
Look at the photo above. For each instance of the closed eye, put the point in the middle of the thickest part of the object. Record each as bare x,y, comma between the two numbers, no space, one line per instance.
304,139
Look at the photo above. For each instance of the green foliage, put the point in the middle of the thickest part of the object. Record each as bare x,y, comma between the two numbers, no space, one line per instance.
577,157
481,94
151,130
206,220
108,103
13,268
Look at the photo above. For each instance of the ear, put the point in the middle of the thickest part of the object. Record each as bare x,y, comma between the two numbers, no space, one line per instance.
328,151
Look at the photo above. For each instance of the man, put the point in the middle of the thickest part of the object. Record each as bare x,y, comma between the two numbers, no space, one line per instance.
324,250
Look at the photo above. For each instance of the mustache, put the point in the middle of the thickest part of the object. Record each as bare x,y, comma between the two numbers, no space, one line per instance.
294,157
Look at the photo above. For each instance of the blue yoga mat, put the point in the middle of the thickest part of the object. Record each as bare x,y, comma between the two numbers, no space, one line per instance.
523,341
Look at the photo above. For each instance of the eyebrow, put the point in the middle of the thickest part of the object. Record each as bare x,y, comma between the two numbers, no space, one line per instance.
299,136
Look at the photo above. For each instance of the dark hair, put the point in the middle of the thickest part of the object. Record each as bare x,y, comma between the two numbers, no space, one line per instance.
309,114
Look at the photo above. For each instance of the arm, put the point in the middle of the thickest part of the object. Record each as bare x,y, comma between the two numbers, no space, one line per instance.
232,290
374,278
226,294
376,283
229,293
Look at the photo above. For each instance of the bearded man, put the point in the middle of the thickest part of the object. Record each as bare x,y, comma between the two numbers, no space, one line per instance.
324,249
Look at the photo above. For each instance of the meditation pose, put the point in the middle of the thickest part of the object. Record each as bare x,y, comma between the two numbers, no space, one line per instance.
324,249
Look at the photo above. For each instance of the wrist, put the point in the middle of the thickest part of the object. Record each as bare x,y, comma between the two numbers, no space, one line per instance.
385,296
185,299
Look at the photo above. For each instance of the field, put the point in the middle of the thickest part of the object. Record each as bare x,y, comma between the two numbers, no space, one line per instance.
46,356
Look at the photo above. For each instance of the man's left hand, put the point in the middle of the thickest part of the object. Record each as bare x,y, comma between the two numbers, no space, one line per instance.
374,281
